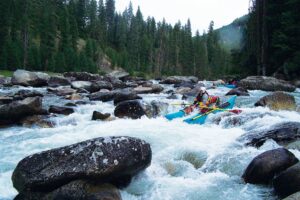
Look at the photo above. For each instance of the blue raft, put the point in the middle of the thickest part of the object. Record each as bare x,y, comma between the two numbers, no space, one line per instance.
200,118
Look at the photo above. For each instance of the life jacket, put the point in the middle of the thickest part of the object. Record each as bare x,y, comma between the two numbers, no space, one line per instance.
210,100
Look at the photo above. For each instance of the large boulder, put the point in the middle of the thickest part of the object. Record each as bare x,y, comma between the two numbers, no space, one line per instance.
56,81
102,96
17,110
282,133
82,76
6,99
26,78
266,83
155,109
179,79
85,85
62,91
100,116
108,160
125,95
278,101
288,182
238,91
79,189
265,166
61,110
99,85
132,109
22,94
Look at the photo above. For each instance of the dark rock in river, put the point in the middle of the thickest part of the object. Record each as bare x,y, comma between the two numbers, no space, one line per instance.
99,85
98,115
185,84
179,79
76,190
238,91
278,101
288,182
131,109
125,95
17,110
282,133
265,166
56,81
112,160
266,83
22,94
5,99
62,91
102,96
61,110
86,85
82,76
37,120
155,109
26,78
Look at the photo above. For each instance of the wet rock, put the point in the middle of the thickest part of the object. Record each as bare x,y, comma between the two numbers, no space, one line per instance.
82,76
117,83
5,81
185,85
112,160
278,101
84,103
86,85
61,110
22,94
99,85
156,88
143,90
265,166
5,99
132,109
37,120
179,79
26,78
17,110
99,116
102,96
62,91
295,196
238,91
192,93
266,83
125,95
172,96
76,190
155,109
183,90
70,104
294,145
297,83
288,182
282,133
56,81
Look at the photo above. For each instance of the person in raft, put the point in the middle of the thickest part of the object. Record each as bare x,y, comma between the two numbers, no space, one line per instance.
203,101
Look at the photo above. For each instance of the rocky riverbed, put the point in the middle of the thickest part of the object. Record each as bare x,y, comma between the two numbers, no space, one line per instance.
106,137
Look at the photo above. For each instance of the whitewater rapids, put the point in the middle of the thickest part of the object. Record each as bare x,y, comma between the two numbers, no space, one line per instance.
190,162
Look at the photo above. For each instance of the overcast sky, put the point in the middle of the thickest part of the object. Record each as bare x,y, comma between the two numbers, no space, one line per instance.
201,12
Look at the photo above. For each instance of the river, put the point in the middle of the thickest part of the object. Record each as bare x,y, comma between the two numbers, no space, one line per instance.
189,161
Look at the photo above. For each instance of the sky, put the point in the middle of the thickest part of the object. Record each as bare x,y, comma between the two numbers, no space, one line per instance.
200,12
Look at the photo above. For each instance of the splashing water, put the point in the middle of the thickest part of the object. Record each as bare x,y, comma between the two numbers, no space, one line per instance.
189,161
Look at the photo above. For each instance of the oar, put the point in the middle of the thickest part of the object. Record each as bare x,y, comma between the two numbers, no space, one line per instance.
236,111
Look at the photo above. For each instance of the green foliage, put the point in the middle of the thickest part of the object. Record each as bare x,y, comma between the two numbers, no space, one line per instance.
74,35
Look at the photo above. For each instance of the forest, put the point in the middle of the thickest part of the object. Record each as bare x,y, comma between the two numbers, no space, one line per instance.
79,35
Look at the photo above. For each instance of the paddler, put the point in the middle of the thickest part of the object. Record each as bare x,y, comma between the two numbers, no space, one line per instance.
203,101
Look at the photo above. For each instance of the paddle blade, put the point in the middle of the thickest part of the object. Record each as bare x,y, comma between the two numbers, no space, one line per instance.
236,111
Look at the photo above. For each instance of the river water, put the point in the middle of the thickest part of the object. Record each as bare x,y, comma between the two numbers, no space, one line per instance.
189,161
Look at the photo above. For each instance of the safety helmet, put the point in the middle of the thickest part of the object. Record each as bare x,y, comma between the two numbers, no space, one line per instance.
203,89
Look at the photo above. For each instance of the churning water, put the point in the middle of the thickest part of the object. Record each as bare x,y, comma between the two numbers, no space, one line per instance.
190,162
